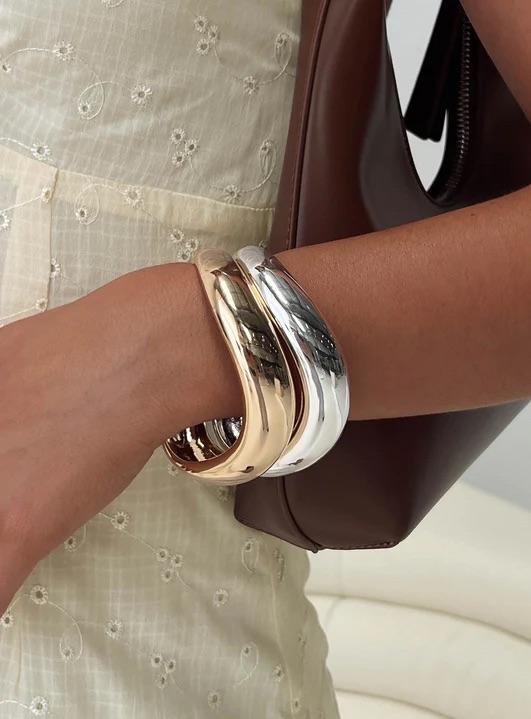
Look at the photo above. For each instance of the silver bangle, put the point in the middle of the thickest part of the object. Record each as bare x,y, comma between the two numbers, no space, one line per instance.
315,354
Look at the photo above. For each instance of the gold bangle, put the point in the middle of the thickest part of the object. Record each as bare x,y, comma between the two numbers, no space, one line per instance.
268,387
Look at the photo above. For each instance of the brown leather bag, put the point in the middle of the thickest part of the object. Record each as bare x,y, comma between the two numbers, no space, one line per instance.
348,171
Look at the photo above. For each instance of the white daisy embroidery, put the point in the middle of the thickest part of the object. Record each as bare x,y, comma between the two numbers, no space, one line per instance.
67,654
55,270
39,706
133,196
84,109
64,51
7,620
221,597
120,520
82,215
141,94
233,194
167,575
70,544
201,23
157,660
177,136
40,151
203,46
162,554
250,85
176,238
190,147
113,628
170,666
214,699
39,594
46,195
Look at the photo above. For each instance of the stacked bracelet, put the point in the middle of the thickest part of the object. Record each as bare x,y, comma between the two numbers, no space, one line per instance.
293,376
268,388
315,354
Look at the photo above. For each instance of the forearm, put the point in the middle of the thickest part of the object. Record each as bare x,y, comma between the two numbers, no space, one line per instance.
431,317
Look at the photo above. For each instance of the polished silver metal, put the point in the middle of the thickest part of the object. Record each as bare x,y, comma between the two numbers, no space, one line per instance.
315,354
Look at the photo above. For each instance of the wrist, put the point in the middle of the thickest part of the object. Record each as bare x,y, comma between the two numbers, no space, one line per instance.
187,374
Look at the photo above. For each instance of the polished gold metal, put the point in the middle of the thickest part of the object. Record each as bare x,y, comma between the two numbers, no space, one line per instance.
268,387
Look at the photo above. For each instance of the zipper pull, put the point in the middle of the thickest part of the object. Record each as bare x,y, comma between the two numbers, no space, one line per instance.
437,79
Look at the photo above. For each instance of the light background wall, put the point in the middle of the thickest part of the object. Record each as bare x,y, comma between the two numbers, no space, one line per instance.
505,469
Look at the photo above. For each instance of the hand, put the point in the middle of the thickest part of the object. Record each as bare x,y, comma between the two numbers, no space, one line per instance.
87,392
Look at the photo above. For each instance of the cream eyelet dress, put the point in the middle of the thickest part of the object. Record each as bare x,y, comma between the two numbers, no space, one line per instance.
132,133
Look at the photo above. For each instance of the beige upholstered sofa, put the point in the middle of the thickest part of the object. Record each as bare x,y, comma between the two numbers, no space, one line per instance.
439,628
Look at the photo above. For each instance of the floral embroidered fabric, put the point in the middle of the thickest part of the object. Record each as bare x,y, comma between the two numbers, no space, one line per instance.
132,133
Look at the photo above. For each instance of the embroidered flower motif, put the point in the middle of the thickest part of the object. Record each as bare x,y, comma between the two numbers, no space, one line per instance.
113,628
40,151
133,196
176,238
190,146
64,51
70,544
247,650
46,195
249,545
213,34
39,706
203,46
39,594
170,666
233,194
84,109
179,158
250,85
82,215
295,706
177,136
282,40
176,561
7,620
141,94
223,493
163,554
6,67
167,575
215,699
55,270
157,660
189,249
67,654
221,597
5,222
42,304
201,23
162,681
120,520
278,673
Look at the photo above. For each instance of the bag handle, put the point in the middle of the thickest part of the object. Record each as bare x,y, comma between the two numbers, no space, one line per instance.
438,77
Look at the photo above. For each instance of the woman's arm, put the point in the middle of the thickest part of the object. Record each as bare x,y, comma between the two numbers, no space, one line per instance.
431,316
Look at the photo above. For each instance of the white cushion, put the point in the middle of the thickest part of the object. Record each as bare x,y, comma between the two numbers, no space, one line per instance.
441,625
